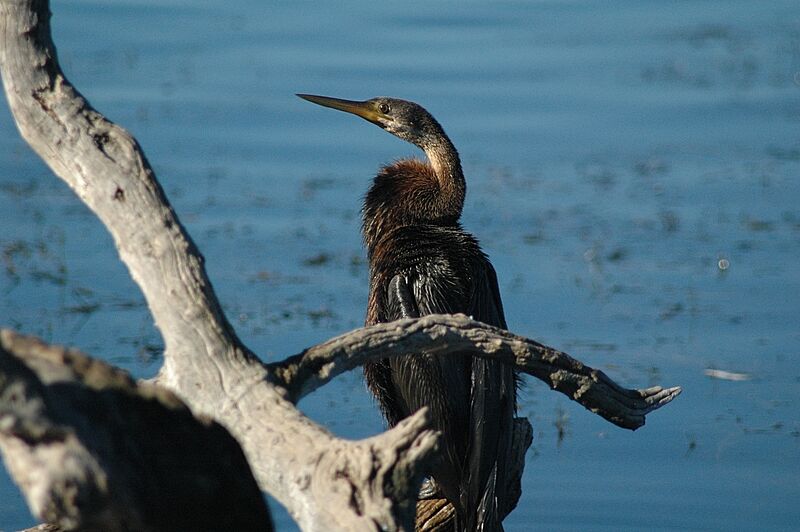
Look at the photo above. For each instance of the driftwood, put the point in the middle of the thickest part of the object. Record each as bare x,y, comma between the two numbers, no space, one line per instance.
326,483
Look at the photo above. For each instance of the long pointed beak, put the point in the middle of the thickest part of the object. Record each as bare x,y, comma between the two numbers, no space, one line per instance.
365,110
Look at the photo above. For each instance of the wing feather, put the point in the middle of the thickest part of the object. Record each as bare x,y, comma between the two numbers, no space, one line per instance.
473,397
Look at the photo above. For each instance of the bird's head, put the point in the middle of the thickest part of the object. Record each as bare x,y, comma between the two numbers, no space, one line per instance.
406,120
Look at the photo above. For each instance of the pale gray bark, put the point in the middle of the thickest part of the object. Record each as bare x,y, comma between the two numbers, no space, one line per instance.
325,482
627,408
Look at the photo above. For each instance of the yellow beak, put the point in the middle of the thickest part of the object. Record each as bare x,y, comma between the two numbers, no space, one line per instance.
365,110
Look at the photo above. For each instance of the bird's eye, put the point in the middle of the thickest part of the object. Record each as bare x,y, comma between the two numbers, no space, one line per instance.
384,108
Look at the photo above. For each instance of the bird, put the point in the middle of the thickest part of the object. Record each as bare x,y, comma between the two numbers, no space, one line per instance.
421,261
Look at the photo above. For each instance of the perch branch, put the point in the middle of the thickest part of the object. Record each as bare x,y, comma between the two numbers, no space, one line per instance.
443,334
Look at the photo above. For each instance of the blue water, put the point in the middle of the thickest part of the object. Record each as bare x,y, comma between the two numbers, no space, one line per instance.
634,174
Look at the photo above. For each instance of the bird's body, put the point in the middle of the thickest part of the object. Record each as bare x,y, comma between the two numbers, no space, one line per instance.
422,262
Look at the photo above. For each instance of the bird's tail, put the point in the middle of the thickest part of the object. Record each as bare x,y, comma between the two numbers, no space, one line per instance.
492,402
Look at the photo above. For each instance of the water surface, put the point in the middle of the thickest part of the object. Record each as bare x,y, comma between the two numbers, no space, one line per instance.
633,173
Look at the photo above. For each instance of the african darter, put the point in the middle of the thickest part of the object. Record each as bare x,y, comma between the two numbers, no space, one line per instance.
422,262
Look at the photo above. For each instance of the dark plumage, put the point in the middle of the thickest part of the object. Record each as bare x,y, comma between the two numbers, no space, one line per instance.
422,262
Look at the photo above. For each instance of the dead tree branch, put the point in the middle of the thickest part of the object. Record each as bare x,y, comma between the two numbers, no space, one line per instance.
92,450
443,334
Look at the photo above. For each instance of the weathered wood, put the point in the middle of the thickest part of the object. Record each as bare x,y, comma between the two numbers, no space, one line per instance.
92,450
44,527
442,334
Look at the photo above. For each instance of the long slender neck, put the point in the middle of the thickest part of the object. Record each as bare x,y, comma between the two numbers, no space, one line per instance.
447,168
410,192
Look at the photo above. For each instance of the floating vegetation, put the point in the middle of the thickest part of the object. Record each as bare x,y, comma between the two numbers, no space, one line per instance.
651,167
617,255
357,260
12,251
57,277
35,259
784,154
263,275
311,186
758,225
671,311
19,190
670,222
317,260
150,352
599,175
83,308
561,424
533,238
591,345
775,427
708,34
691,444
324,313
357,263
129,304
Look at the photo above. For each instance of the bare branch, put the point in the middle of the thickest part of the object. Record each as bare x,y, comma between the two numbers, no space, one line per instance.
443,334
92,450
45,527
